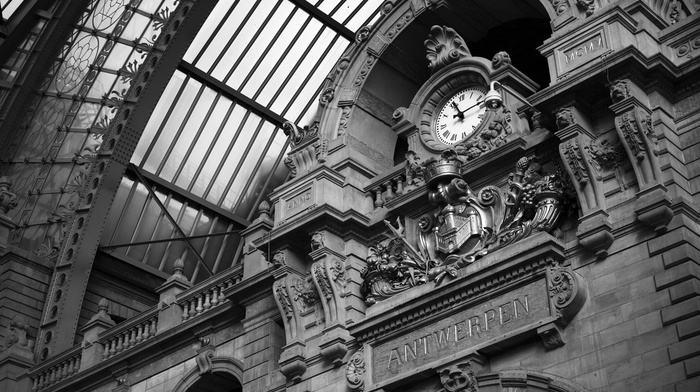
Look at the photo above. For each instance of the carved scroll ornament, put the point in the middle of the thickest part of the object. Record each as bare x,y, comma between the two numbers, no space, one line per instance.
355,371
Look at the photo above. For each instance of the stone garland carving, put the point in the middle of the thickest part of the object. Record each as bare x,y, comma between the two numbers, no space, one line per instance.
280,291
500,59
355,371
16,333
574,159
465,226
587,5
322,278
337,270
414,172
648,128
630,131
8,200
459,378
444,47
607,156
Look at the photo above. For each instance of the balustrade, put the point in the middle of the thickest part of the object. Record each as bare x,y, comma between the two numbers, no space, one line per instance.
136,334
67,365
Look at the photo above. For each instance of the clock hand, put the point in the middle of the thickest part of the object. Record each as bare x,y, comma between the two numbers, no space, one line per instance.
460,113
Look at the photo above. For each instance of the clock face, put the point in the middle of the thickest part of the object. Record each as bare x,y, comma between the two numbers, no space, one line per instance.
459,115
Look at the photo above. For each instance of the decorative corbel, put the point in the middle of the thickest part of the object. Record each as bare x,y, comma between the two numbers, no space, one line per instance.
330,279
635,129
567,293
594,229
292,360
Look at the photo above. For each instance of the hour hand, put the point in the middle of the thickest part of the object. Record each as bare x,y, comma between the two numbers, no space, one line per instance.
460,113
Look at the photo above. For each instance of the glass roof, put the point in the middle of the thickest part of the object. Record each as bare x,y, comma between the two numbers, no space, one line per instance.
214,143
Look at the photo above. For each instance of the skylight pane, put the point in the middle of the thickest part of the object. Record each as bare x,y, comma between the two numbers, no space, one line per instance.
207,30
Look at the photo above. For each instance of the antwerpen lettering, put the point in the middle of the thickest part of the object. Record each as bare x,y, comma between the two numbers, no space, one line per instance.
453,334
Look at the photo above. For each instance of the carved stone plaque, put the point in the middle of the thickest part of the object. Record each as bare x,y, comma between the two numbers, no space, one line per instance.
518,311
581,52
297,202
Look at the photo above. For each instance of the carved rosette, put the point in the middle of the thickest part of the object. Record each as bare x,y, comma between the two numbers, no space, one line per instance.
444,46
566,292
459,378
355,371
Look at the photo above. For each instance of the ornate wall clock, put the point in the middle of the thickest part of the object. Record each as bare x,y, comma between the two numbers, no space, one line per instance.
459,114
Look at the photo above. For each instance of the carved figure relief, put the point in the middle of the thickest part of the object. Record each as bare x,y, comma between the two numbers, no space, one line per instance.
465,225
414,171
587,5
620,90
16,333
607,156
444,47
564,117
318,240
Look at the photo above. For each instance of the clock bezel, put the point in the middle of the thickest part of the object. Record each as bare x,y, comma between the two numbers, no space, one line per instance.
443,102
438,96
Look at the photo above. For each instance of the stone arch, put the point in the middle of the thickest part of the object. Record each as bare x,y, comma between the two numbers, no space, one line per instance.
223,368
522,380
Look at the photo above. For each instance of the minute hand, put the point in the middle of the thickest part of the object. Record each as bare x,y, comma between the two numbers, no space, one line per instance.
460,113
